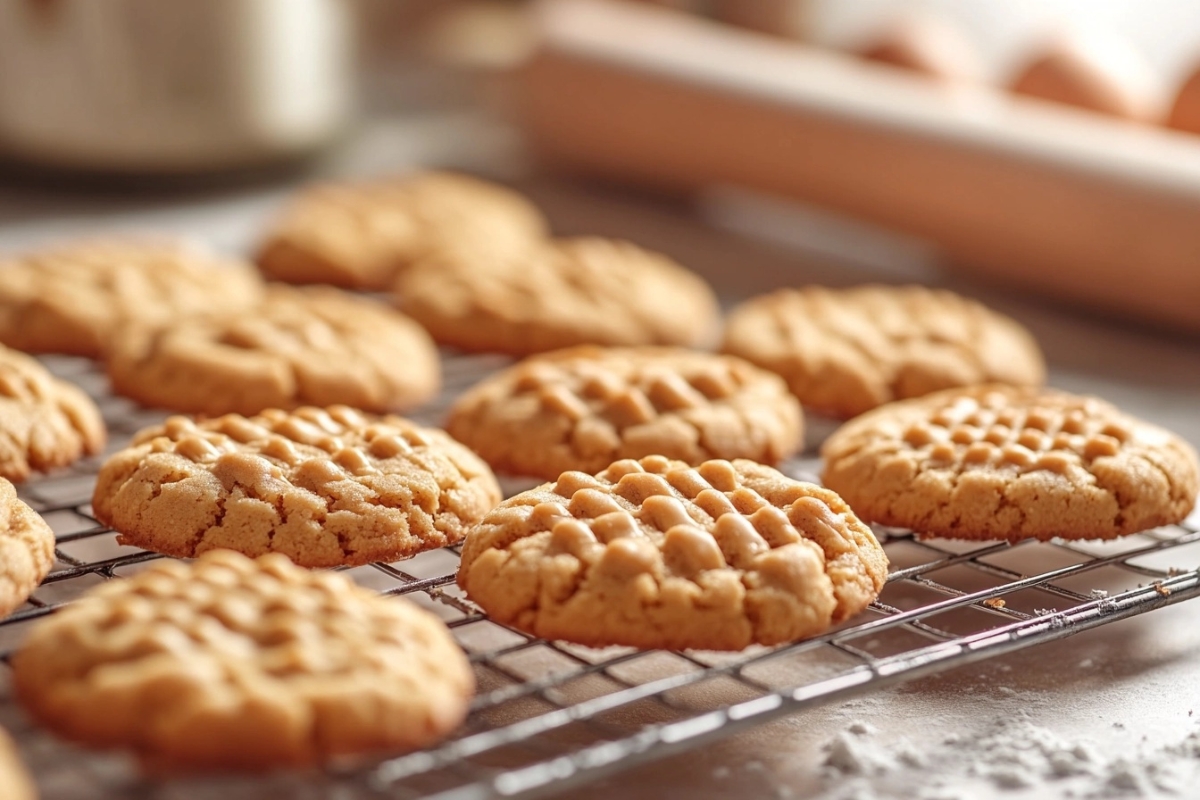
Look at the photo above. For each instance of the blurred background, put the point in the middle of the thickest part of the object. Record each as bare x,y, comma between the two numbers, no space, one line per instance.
1045,146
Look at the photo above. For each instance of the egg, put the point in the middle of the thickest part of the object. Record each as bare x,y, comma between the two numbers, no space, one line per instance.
787,18
1095,72
1185,113
924,44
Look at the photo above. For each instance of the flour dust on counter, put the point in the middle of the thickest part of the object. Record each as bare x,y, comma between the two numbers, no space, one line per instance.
1011,759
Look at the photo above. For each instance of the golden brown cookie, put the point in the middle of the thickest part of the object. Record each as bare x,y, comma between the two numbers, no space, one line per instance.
74,298
234,664
998,462
557,293
313,346
657,554
15,783
845,351
45,422
26,549
322,486
586,407
359,235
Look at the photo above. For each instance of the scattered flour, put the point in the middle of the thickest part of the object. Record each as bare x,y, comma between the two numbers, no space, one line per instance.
910,757
1189,747
1013,756
848,753
1017,754
854,752
860,791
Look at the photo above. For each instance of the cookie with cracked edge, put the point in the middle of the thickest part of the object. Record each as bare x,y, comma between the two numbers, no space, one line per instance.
26,549
325,487
310,346
999,462
659,554
229,663
360,235
554,293
74,298
45,422
846,351
586,407
15,782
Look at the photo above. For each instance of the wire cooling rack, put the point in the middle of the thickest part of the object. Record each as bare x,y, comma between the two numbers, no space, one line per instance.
550,716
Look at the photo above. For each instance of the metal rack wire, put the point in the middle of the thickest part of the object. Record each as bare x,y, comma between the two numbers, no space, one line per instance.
550,715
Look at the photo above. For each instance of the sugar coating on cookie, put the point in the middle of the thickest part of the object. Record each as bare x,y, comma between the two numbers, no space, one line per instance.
360,235
312,346
586,407
26,549
230,663
74,298
556,293
45,422
659,554
845,351
15,782
1000,462
324,487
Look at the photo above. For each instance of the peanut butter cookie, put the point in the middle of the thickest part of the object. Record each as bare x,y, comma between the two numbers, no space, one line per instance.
999,462
26,550
359,235
45,422
557,293
234,664
655,553
322,486
845,351
586,407
313,346
75,298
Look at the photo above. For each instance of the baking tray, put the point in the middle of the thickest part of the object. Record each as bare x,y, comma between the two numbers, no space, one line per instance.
550,716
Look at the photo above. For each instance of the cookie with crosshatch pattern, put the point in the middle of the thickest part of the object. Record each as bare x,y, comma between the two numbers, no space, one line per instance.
359,235
26,549
846,351
229,663
586,407
45,422
325,487
998,462
659,554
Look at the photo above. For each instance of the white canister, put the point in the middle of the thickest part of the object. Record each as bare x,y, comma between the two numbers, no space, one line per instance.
158,86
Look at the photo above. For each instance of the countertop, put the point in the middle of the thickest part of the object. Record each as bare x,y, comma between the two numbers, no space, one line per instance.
1123,691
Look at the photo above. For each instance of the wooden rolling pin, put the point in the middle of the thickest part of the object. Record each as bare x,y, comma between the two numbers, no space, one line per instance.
1075,205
